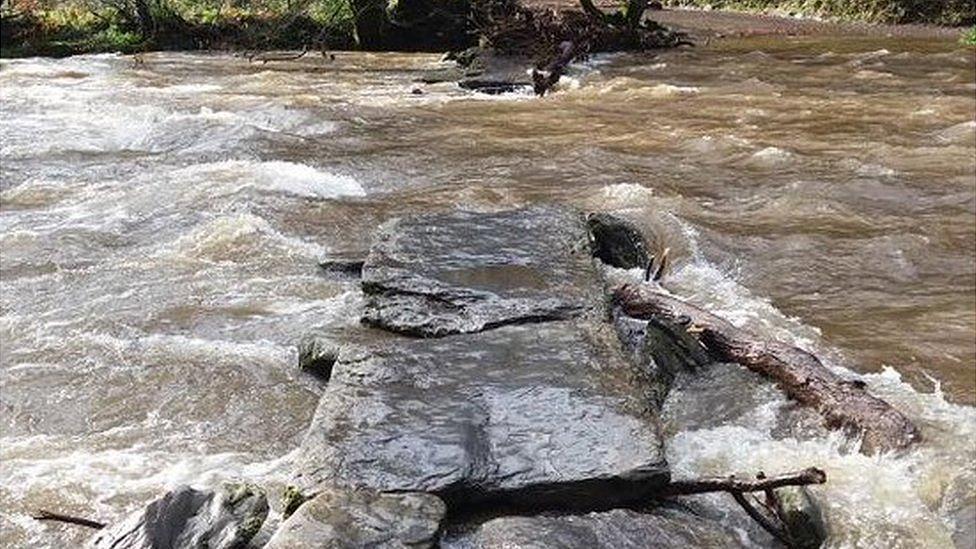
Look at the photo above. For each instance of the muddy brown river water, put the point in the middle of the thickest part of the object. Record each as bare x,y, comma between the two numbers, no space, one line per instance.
160,225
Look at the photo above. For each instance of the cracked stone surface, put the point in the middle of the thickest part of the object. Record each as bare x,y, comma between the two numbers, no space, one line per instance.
547,415
337,518
459,272
616,529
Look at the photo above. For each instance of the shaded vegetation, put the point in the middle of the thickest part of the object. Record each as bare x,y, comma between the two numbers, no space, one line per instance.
64,28
941,12
969,37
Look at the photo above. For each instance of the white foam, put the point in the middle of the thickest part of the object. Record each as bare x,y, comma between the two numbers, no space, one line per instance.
626,192
237,238
274,175
770,157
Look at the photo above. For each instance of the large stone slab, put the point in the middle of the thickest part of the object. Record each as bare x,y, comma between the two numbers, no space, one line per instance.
616,529
545,415
345,519
438,274
226,518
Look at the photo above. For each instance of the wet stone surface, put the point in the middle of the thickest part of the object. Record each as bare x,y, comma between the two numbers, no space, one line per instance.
433,275
619,529
186,517
345,518
546,415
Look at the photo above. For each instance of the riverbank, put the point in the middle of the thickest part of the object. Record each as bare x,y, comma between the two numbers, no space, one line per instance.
77,29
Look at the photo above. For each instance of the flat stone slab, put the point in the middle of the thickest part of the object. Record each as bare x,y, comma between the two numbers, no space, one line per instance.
616,529
545,415
459,272
344,518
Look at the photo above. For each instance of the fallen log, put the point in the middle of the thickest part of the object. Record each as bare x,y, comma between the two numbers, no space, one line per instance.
41,514
843,404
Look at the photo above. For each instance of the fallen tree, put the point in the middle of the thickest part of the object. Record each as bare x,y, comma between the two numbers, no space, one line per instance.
844,404
556,38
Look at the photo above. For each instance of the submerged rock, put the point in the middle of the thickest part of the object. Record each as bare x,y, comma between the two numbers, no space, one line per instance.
479,69
352,268
316,355
661,351
617,242
616,529
346,519
190,518
543,416
802,517
438,274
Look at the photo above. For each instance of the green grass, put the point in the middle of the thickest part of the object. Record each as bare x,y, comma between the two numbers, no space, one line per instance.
969,37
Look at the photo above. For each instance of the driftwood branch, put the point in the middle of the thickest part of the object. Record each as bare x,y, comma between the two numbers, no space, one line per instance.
41,514
737,488
543,80
265,57
768,525
807,476
844,404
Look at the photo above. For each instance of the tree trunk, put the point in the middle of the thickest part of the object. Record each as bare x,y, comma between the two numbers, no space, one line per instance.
844,404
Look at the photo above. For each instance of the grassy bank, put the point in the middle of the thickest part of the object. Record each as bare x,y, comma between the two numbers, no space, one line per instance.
90,26
66,27
943,12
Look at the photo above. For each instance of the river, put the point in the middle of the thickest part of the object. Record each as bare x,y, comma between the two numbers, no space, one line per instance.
160,223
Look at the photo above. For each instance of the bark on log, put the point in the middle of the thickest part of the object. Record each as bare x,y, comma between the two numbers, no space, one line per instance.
843,404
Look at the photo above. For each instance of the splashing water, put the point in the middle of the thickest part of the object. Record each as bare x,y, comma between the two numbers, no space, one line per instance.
161,223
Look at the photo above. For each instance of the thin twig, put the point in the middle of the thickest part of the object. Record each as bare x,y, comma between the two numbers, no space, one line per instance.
41,514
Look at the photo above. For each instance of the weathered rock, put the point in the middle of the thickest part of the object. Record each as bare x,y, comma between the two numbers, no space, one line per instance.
346,519
964,533
433,275
802,517
616,529
351,267
617,242
317,355
543,416
190,518
291,499
659,350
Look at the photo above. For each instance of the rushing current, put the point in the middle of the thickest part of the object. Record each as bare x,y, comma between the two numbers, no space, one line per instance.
161,219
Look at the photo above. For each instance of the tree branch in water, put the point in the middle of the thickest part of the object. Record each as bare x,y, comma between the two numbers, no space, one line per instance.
842,403
41,514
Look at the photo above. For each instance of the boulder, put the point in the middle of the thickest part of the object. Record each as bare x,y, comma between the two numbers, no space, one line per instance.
615,529
190,518
548,415
337,518
802,517
345,267
438,274
617,242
